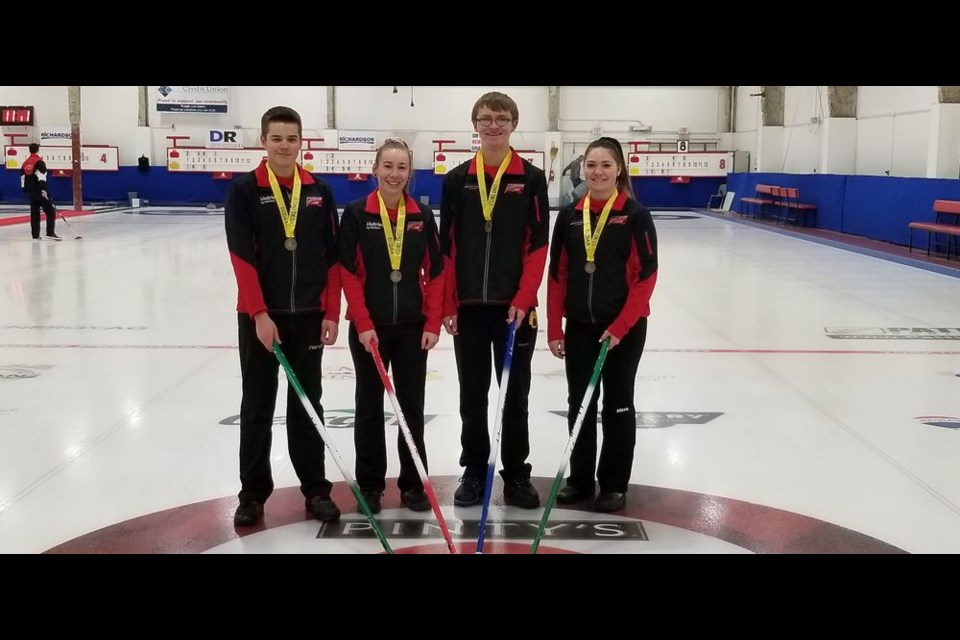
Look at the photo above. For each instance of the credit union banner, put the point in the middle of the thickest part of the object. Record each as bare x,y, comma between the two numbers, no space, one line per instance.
192,99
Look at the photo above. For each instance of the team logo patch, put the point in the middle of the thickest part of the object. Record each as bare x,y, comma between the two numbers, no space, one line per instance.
513,188
415,226
315,201
617,220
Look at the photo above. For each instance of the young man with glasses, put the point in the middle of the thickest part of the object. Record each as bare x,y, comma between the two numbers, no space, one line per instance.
494,229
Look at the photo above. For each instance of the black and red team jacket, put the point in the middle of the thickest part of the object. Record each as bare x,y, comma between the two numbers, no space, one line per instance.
33,174
372,299
270,278
618,293
504,267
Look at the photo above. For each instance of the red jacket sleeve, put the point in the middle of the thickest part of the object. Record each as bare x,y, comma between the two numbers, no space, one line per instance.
642,268
241,242
331,293
433,279
534,248
448,249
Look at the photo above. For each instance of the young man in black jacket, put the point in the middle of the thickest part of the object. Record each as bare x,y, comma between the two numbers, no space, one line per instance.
494,229
282,227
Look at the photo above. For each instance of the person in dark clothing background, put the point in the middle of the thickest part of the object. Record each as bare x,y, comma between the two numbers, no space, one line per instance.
392,275
281,226
494,230
33,181
603,269
574,170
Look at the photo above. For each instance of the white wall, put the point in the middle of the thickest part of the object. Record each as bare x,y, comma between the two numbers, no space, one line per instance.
910,139
885,101
438,113
664,109
800,104
748,110
943,152
108,115
770,152
245,106
49,103
900,130
838,148
801,149
803,113
894,145
435,108
747,123
874,147
893,130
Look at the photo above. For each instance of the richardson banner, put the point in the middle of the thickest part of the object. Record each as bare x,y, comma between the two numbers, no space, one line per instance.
192,99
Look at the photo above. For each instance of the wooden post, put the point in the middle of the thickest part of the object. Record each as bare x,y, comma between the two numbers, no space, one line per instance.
77,178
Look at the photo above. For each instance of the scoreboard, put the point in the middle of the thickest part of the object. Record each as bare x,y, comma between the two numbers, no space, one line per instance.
21,116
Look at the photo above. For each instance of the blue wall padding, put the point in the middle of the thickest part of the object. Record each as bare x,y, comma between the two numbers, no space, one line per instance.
876,207
162,187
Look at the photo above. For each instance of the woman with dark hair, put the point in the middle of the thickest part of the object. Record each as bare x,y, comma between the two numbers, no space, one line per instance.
393,281
603,269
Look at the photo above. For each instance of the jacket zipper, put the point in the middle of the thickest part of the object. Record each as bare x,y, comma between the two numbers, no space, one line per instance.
590,298
293,282
395,301
486,267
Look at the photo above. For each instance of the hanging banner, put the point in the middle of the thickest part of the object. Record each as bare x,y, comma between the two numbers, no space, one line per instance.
192,99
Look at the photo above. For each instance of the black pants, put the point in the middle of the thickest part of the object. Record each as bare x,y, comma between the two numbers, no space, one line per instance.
300,337
617,379
38,202
399,346
479,328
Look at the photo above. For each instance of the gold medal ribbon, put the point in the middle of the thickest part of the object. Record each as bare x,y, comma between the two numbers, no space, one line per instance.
394,241
590,240
489,201
289,217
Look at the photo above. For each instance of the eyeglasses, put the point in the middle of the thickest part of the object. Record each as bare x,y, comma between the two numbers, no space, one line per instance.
486,121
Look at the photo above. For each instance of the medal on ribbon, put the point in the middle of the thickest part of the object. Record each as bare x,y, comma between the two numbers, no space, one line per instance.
590,239
394,240
288,216
489,201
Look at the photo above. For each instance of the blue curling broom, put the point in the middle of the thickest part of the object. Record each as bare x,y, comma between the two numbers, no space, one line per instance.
495,442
